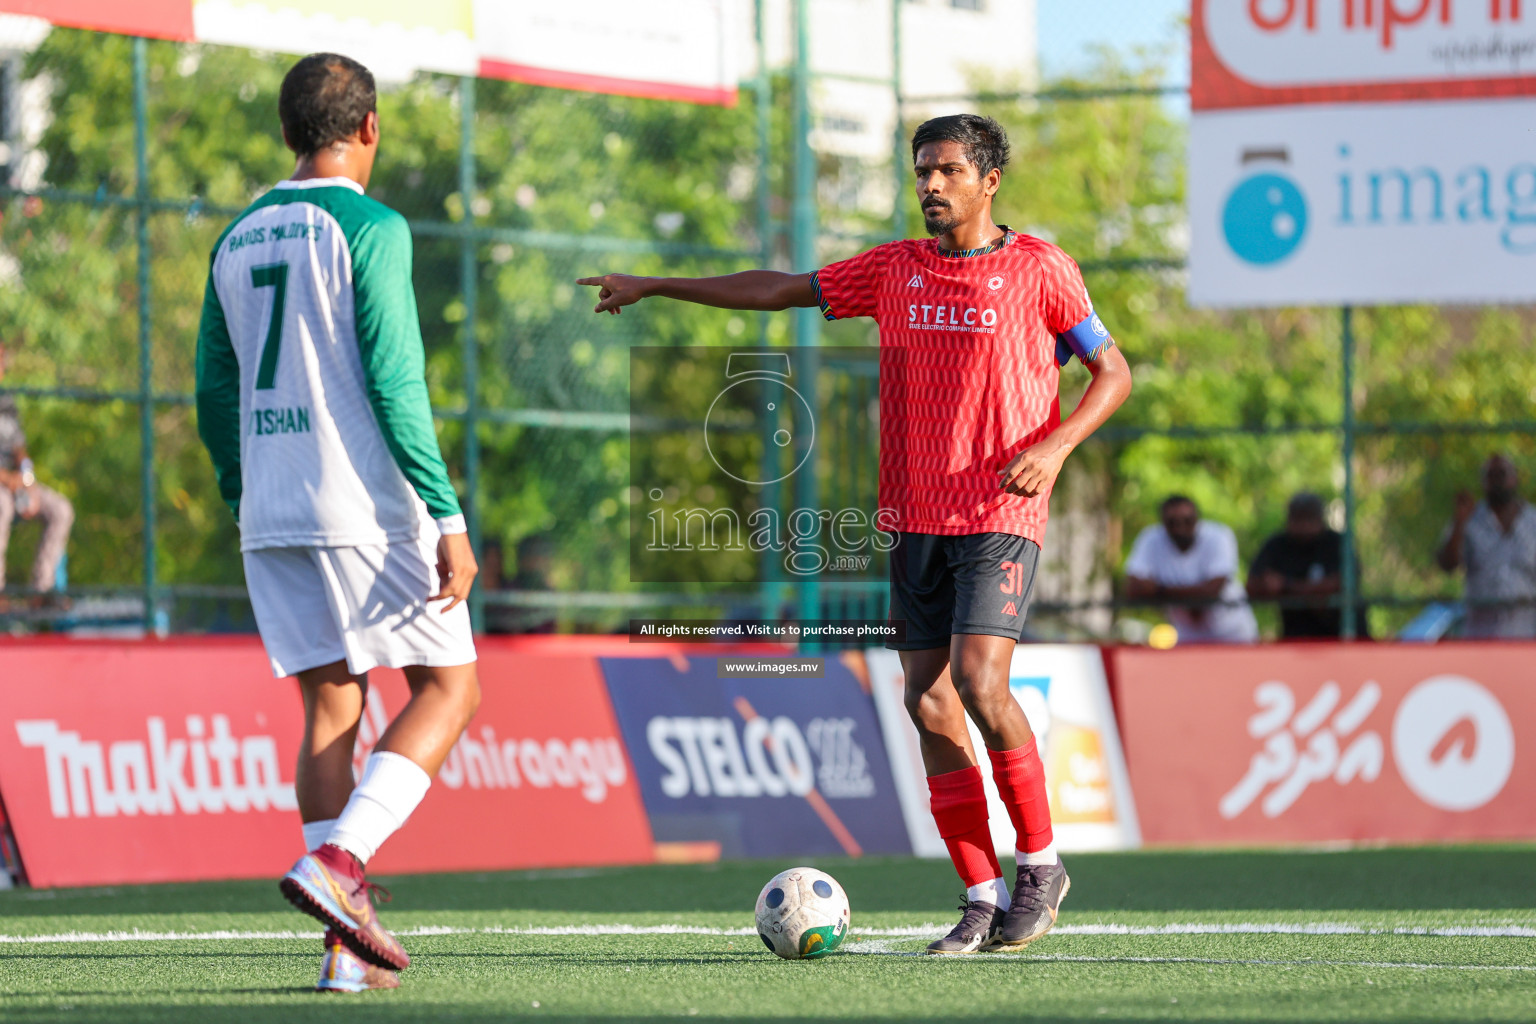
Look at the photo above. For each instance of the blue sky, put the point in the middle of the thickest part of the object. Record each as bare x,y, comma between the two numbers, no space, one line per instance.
1069,28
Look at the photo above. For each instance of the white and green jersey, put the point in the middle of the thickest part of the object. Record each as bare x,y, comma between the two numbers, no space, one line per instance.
311,395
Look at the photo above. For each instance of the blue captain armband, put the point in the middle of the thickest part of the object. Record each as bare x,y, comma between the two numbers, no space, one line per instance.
1087,341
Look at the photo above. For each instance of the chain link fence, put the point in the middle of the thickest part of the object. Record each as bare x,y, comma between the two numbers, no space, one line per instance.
125,158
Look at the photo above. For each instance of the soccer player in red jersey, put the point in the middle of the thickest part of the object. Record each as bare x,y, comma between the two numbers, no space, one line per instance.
975,324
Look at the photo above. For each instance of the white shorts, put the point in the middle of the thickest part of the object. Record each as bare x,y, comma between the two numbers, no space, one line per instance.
366,605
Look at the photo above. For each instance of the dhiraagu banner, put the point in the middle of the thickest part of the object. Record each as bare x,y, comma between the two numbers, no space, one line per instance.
1362,152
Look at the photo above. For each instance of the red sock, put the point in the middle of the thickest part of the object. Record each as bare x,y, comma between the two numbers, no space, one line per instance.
1020,779
959,806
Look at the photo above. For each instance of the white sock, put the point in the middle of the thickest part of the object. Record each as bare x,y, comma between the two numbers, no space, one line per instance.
316,833
993,892
1041,858
392,786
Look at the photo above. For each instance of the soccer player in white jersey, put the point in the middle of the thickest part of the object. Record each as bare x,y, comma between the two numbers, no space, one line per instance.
312,402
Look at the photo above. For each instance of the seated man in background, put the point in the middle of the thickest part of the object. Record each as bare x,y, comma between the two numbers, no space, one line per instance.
1496,540
1191,565
1302,567
21,496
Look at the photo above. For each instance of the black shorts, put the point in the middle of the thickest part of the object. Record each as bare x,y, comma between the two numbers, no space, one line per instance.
976,583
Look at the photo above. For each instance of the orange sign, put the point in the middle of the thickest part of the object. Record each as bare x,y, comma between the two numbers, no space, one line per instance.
1368,742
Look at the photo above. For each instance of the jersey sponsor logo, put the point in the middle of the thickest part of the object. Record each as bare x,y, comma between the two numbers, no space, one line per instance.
928,316
916,282
100,779
277,233
294,420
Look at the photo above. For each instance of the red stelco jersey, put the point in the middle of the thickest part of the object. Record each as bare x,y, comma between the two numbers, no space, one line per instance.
968,372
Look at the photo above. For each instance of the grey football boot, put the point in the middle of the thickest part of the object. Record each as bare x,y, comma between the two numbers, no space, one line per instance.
1037,896
979,928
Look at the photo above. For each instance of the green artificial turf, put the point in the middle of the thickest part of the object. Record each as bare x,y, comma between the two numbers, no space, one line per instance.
484,963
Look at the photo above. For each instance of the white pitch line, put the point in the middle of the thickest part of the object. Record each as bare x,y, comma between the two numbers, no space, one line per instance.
882,947
914,932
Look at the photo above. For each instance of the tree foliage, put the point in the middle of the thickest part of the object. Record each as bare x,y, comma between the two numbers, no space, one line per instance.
568,184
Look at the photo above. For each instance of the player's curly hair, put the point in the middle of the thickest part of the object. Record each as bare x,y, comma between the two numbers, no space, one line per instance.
985,141
324,99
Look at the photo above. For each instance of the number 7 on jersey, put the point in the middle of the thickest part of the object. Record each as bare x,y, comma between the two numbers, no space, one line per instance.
274,276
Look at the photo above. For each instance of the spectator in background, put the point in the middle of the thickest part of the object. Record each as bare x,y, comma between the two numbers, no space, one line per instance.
23,498
1191,565
1496,540
535,562
1302,567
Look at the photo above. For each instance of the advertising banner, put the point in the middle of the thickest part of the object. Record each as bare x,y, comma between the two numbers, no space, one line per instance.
117,759
1324,742
540,777
766,767
1064,695
679,49
1362,152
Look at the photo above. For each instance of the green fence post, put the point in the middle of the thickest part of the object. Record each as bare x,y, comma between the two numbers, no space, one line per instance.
146,398
803,260
469,289
1347,562
899,133
770,591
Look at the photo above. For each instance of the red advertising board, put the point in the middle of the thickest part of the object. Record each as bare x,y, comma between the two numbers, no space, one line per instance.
1313,743
145,761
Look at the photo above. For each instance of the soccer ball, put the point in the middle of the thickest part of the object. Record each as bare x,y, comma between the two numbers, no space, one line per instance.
802,914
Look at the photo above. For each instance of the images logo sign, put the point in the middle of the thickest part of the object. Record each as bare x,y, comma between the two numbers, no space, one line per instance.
1265,218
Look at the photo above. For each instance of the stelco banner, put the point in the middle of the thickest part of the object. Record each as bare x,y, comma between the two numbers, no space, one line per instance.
1314,743
1063,693
1362,151
677,49
758,767
118,761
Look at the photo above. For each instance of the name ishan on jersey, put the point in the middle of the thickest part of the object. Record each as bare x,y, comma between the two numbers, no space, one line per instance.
294,420
276,233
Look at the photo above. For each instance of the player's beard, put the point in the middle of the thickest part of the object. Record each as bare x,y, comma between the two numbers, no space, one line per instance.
939,219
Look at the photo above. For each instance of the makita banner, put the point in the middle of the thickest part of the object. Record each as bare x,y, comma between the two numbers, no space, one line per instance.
761,767
1321,742
116,758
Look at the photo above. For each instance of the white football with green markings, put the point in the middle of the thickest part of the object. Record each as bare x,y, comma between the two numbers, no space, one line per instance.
802,914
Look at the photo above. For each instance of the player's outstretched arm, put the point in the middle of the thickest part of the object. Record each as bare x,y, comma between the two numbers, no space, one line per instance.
750,289
1036,467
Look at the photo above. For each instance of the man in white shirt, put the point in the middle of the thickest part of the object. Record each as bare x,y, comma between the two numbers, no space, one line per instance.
1192,565
1496,540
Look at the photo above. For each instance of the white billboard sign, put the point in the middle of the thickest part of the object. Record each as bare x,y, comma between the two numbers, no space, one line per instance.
1065,695
1362,152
